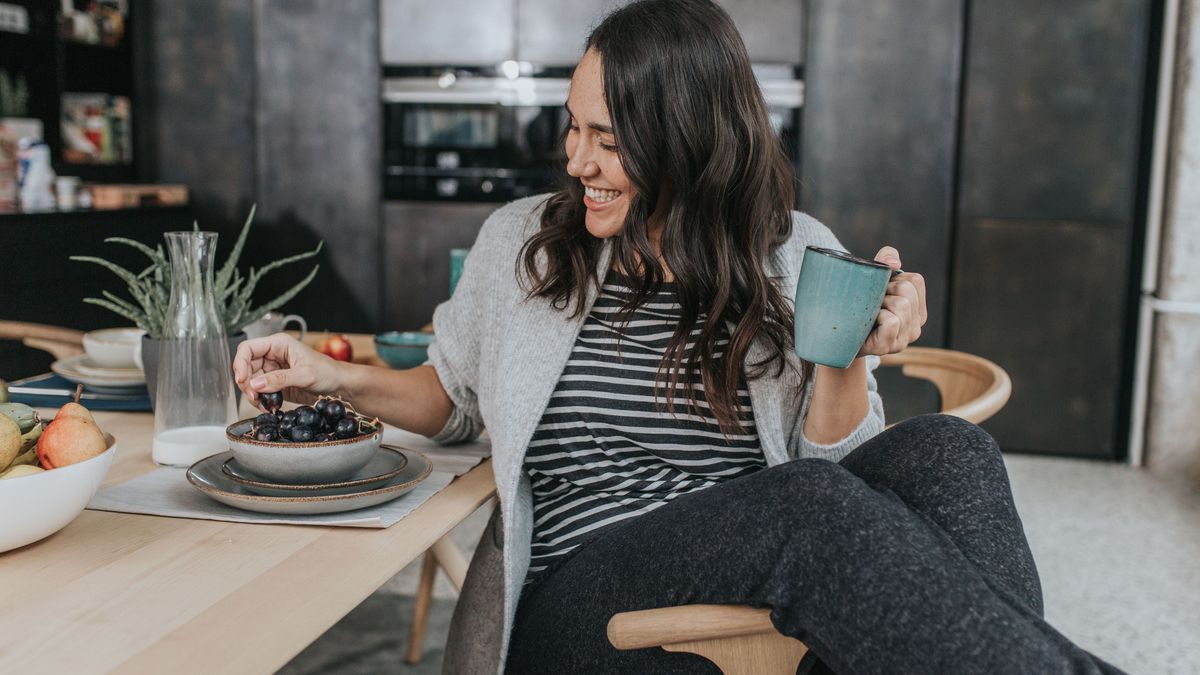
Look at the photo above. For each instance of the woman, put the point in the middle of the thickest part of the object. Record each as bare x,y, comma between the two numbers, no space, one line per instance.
626,342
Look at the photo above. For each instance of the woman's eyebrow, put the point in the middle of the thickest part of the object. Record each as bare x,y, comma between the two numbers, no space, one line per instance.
602,128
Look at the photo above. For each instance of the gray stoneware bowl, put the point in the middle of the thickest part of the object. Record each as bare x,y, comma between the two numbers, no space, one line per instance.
302,463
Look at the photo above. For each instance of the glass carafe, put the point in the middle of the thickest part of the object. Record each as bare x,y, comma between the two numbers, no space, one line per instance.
194,401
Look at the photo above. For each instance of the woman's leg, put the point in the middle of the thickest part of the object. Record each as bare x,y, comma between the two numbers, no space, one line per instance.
851,571
951,472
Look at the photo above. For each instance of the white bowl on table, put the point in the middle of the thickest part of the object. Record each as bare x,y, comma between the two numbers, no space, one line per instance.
36,506
114,347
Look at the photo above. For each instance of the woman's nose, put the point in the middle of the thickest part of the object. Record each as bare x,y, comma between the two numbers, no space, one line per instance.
580,164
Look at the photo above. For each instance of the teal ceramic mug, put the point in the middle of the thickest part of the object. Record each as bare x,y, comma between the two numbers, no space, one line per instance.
458,258
838,297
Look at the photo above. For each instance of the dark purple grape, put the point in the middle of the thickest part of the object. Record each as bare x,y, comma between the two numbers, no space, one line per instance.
327,436
286,423
319,406
306,416
271,401
266,434
334,411
301,433
347,427
265,420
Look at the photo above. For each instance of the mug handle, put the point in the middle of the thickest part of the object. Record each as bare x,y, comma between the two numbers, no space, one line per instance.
298,319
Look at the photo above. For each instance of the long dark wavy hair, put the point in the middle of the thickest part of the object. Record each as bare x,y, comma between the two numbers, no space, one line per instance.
689,119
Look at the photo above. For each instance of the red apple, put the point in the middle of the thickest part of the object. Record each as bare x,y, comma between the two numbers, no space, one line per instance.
336,347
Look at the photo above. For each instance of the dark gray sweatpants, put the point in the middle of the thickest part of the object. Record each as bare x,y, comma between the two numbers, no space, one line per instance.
906,557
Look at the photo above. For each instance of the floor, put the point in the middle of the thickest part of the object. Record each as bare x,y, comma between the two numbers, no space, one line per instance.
1118,550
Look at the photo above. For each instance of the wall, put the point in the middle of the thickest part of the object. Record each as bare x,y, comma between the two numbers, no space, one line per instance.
275,103
1173,437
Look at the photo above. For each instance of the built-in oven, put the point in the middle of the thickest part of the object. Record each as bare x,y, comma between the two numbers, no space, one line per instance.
495,134
471,134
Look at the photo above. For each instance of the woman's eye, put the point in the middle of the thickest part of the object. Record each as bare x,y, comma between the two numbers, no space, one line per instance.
610,148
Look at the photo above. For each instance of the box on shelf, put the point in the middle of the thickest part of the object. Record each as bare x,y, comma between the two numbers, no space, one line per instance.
124,196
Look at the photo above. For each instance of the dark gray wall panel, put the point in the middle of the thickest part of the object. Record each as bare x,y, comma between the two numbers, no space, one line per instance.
552,32
772,29
879,131
200,103
1042,299
318,134
418,237
456,32
1051,111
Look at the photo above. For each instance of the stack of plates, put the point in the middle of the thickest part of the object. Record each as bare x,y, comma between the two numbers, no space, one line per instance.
81,370
391,473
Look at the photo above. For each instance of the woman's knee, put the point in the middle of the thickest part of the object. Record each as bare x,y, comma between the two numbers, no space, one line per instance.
937,434
809,481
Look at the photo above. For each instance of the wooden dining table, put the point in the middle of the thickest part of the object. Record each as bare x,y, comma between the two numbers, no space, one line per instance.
126,593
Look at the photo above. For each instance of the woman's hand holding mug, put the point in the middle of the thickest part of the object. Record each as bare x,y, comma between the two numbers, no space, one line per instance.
280,362
903,312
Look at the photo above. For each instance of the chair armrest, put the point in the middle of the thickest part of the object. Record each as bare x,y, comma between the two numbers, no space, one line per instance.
686,623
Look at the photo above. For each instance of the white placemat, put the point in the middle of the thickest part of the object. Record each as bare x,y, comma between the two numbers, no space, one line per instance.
166,491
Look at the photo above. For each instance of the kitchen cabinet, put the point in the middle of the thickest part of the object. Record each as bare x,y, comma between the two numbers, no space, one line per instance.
417,240
773,30
878,152
1046,300
40,284
552,32
1047,251
318,151
447,32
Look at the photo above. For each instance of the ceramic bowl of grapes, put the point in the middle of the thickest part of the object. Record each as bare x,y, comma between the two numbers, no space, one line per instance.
320,443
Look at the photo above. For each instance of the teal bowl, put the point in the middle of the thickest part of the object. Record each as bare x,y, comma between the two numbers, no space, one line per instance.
403,350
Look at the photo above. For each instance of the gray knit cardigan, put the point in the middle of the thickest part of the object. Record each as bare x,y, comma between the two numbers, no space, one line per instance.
499,356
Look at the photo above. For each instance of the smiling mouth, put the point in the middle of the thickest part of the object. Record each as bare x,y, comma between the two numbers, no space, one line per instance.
600,196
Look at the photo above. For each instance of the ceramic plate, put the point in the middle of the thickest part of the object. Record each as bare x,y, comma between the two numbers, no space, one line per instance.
87,366
207,477
388,462
69,369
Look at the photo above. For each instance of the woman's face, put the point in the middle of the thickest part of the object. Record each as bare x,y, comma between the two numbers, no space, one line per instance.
592,152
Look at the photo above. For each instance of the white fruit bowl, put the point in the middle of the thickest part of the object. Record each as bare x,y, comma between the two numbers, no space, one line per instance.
35,507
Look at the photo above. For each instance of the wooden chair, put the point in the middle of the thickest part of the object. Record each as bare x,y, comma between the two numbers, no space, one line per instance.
60,342
741,640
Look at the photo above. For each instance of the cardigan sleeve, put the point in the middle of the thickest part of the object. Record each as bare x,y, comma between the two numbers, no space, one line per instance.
459,324
465,324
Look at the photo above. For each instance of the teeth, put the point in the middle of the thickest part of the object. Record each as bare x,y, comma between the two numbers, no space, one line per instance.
601,195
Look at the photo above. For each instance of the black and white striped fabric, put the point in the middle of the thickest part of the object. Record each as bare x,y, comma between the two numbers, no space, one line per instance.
605,449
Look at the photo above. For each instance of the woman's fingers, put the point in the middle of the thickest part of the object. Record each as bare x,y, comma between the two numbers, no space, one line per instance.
888,256
280,379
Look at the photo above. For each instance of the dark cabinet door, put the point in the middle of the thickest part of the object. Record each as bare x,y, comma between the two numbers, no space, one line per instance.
446,32
417,240
878,159
1048,234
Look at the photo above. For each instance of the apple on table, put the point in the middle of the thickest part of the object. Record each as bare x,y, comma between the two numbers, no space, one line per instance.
336,347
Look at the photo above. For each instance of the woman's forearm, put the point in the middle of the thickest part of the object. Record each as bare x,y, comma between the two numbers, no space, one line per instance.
412,399
839,402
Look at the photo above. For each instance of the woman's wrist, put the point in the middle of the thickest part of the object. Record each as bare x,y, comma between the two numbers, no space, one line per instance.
348,380
839,402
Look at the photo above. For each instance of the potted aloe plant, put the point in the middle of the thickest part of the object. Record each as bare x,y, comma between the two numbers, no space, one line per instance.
150,290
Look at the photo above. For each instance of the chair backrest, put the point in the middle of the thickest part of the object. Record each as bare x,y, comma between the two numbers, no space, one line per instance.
971,387
60,342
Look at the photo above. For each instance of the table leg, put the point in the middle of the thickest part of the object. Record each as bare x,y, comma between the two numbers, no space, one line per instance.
424,598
